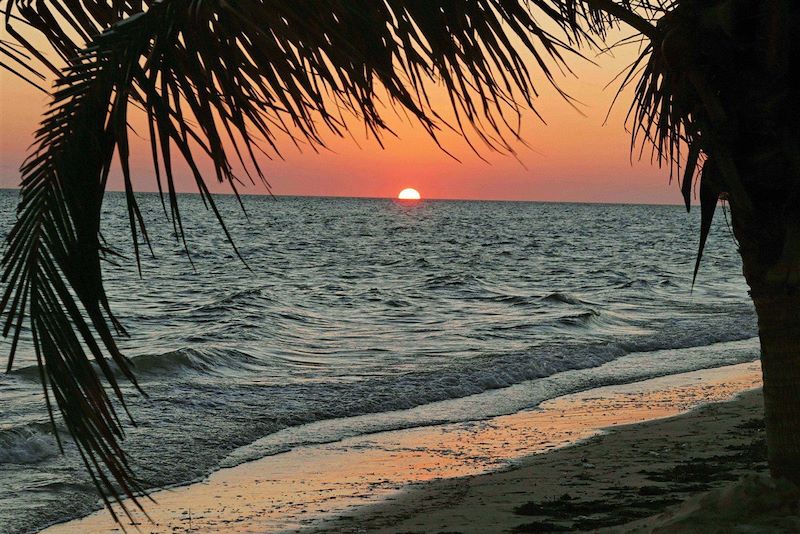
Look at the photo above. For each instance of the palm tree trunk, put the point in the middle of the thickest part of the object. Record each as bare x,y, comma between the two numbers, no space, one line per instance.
779,329
768,244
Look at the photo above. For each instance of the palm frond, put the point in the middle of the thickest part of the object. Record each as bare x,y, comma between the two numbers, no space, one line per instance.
678,114
51,266
222,80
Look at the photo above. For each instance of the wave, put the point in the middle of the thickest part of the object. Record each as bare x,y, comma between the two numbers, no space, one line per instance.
579,319
447,281
493,402
226,302
27,372
30,443
493,371
478,374
645,283
564,298
517,300
535,301
513,367
206,361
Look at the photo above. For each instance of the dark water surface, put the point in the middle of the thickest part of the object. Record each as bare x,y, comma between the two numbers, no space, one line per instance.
356,306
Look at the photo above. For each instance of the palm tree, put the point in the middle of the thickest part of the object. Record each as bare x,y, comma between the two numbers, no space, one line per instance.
220,79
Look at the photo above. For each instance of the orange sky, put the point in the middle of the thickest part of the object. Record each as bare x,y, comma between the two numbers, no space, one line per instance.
573,158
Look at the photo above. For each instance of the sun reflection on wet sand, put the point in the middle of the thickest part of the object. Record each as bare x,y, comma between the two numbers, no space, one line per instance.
302,487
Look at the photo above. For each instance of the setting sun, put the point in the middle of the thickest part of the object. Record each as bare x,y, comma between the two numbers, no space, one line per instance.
409,194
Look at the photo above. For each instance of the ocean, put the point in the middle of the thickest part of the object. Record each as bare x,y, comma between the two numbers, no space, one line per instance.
371,307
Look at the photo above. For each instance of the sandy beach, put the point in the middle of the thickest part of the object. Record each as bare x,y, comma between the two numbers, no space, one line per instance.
491,475
603,483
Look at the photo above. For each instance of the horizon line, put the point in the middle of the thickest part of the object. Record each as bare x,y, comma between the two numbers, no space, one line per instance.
423,199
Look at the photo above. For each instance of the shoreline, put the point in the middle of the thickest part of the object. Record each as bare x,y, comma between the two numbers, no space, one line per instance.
340,486
652,476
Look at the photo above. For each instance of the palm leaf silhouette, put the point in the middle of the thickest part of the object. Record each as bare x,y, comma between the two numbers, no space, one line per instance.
222,80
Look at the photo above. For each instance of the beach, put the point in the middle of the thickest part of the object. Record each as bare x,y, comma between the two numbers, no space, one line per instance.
607,482
555,467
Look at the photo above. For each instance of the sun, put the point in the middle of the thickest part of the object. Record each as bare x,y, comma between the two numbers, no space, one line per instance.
409,194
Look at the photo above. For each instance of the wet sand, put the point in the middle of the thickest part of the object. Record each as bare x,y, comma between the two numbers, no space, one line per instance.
607,483
435,478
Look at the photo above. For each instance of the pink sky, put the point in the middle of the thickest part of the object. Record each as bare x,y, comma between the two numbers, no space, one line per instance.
573,158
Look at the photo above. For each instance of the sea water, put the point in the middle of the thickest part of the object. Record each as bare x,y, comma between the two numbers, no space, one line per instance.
359,315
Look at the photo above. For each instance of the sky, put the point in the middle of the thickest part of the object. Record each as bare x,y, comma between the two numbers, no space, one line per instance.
575,157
